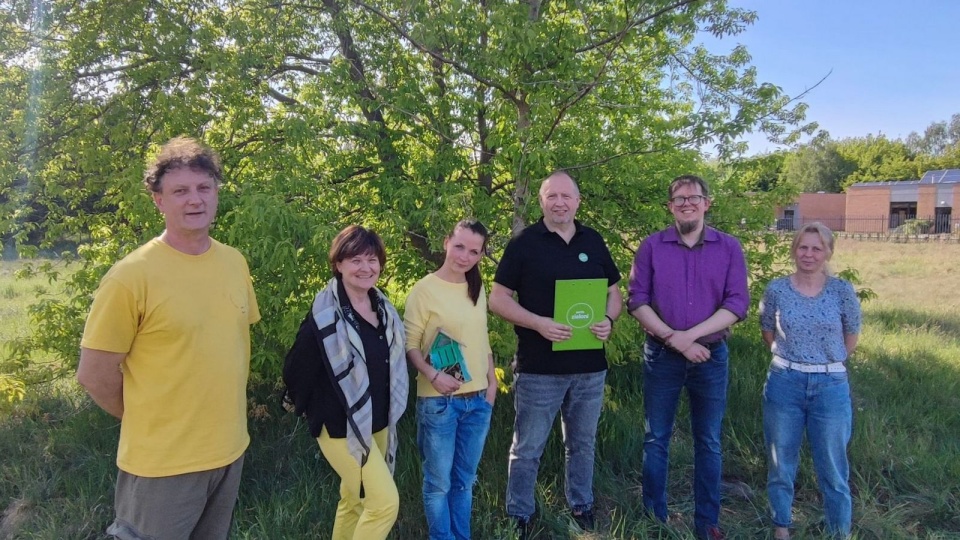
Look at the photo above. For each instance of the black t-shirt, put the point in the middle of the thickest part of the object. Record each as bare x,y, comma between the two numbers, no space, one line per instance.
532,263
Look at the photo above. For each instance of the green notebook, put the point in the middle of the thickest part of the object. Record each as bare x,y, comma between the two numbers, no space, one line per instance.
578,303
446,356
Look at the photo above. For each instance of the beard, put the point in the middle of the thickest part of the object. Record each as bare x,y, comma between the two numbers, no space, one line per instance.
687,227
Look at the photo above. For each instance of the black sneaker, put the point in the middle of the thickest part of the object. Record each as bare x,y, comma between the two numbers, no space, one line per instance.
522,525
585,520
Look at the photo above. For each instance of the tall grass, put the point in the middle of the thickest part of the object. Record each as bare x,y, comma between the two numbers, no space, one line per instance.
17,293
57,450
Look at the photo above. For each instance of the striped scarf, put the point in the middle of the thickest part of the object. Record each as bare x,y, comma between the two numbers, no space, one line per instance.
341,341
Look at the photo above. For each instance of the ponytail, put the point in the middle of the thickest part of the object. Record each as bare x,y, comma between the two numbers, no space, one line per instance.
474,281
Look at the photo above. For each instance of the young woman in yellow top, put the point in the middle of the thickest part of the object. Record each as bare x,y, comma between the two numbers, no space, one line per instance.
453,416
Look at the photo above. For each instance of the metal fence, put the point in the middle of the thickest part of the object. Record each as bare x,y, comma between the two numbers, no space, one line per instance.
900,224
794,223
889,225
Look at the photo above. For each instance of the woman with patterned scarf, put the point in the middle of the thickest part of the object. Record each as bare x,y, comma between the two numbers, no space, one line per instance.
346,373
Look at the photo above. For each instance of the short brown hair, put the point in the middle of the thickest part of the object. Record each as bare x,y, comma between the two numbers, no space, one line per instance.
688,180
178,153
356,240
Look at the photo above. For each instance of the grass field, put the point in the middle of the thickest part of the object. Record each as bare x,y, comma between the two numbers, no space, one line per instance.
57,449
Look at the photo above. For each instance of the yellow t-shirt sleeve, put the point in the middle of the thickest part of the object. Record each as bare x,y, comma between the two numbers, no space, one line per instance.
113,320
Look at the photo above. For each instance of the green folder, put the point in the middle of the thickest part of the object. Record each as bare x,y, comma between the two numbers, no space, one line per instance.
578,303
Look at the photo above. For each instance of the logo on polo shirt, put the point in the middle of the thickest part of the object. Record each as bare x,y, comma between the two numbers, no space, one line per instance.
583,257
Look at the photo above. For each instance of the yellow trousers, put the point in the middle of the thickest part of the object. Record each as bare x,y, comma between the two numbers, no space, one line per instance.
370,517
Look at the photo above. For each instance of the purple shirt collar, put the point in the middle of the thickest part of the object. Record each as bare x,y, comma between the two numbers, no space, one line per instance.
707,234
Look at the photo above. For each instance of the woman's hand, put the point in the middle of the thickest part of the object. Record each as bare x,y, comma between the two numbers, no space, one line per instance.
491,396
445,384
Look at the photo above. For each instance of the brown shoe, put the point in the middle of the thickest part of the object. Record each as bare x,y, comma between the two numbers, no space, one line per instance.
712,533
585,520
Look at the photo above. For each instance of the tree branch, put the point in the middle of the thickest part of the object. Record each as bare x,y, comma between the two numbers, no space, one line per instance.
283,68
305,58
286,100
633,24
115,69
509,94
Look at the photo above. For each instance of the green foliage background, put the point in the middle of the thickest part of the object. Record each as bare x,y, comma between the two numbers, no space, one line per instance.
402,116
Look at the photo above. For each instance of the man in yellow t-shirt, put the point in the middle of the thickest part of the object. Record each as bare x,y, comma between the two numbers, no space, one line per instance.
166,349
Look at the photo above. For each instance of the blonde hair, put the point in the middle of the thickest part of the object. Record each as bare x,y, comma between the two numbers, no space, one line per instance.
826,238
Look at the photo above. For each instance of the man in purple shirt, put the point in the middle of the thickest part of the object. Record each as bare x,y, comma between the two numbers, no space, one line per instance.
688,285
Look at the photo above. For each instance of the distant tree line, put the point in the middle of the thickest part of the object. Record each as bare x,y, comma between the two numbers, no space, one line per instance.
829,165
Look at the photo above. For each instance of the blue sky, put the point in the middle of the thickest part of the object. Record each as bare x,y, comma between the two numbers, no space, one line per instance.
893,65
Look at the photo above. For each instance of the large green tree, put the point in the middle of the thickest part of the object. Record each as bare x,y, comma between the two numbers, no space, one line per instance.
877,158
938,147
405,116
817,166
938,138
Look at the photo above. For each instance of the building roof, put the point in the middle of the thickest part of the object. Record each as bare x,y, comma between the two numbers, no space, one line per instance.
942,176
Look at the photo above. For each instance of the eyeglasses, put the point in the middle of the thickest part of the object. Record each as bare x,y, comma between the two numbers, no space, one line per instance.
692,199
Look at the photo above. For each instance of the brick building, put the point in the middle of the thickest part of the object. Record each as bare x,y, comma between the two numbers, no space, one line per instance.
922,206
827,208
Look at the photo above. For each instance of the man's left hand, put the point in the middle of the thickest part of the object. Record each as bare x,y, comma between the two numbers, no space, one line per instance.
697,353
680,340
602,329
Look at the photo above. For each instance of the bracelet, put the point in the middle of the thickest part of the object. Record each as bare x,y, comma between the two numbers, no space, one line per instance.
610,318
435,375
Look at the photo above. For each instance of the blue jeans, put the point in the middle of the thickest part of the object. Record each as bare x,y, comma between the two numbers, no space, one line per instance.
665,374
537,398
820,404
451,432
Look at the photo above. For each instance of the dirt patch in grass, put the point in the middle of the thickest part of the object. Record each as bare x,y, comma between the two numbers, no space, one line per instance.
14,517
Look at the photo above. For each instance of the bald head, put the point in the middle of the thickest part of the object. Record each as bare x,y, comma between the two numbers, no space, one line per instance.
556,178
559,200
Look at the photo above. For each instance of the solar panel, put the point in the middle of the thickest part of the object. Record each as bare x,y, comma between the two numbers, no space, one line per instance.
943,176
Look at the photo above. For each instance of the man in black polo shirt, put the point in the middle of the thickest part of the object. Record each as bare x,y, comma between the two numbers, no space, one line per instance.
556,247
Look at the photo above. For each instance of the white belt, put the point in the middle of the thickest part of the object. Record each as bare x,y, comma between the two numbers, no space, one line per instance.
835,367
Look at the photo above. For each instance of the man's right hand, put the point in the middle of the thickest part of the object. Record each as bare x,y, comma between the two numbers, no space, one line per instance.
553,331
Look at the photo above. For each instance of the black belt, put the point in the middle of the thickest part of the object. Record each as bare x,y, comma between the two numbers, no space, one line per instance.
711,345
467,395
